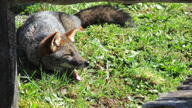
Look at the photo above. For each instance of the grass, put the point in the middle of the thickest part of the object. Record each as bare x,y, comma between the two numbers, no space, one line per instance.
129,66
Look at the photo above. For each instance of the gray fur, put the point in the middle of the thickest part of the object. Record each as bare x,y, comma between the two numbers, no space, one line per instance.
37,27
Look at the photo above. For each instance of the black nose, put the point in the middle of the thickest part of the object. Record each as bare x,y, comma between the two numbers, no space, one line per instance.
86,63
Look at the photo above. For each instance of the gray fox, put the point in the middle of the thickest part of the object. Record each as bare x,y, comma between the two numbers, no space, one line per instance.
47,37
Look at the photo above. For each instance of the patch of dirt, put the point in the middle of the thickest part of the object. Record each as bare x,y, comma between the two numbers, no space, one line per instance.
72,95
105,102
108,103
188,11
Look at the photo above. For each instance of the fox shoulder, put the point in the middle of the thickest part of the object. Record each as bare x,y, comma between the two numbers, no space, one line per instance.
69,21
103,14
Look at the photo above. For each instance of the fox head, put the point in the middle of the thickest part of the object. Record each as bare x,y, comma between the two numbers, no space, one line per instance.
58,52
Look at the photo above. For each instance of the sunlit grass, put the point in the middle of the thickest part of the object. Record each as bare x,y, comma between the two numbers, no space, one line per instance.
129,65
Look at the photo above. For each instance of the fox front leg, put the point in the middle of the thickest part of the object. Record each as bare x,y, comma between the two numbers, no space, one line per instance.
76,76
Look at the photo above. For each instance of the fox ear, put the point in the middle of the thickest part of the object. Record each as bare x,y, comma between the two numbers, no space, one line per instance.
56,42
81,28
71,34
47,45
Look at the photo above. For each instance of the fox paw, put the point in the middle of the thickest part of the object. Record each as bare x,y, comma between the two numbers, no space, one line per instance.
76,76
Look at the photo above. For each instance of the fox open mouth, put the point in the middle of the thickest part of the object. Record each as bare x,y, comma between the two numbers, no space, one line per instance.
74,65
71,66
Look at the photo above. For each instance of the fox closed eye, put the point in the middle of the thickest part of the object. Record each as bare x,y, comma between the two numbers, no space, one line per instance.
70,53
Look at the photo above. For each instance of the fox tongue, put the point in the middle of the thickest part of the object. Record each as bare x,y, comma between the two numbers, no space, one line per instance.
76,76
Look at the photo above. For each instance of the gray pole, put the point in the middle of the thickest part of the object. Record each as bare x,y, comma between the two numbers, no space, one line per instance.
8,68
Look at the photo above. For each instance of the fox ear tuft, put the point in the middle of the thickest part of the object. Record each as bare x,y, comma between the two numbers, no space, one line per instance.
55,42
71,34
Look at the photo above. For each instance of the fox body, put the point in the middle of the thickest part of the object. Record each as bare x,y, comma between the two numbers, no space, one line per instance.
47,37
39,27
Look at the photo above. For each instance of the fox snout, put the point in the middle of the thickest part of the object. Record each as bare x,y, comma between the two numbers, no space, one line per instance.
86,63
80,63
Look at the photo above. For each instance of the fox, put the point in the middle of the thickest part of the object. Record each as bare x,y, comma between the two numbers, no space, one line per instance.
47,38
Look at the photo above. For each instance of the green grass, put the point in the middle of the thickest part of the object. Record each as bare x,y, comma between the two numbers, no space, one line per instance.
129,66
